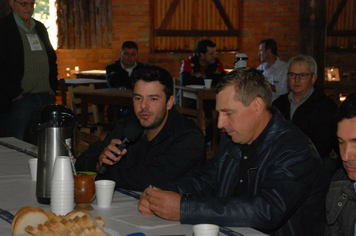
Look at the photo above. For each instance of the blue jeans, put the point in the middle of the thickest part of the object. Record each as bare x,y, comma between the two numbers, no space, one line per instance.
25,116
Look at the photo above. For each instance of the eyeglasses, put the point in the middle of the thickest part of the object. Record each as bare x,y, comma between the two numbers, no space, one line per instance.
25,4
302,76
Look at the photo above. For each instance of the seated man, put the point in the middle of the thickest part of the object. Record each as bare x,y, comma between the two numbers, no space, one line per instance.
170,146
118,74
341,198
273,68
202,65
310,109
267,175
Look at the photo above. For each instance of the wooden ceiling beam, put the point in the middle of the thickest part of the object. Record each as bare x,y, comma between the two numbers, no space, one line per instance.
336,15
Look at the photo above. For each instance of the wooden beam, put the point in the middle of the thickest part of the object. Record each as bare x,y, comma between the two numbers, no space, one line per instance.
312,33
223,14
344,33
336,14
169,14
197,33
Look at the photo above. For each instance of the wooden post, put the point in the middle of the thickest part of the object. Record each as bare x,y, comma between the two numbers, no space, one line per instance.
312,34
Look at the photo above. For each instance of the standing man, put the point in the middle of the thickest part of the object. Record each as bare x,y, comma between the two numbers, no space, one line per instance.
171,144
341,198
202,65
267,174
310,109
273,68
118,74
28,70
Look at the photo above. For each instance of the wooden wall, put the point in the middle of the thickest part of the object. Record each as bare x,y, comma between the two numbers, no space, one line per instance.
132,21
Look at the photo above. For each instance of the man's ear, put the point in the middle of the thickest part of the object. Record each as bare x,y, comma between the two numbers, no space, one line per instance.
258,105
170,102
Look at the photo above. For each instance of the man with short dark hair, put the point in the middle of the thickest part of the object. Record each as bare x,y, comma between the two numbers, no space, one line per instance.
171,145
273,68
341,198
267,174
118,74
202,65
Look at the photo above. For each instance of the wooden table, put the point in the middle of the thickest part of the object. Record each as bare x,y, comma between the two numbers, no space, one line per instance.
93,74
107,96
200,94
65,83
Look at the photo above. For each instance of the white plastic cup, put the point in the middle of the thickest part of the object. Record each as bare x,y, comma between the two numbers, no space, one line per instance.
32,163
62,169
206,230
207,83
104,190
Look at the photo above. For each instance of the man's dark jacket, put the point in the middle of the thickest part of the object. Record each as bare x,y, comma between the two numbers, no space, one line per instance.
341,205
286,187
12,60
118,77
177,149
187,78
315,117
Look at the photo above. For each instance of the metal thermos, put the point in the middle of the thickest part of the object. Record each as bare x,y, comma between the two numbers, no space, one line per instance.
55,136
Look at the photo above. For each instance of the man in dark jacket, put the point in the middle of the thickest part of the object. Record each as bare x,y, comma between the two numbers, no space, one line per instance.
267,174
28,70
170,146
118,74
310,109
341,198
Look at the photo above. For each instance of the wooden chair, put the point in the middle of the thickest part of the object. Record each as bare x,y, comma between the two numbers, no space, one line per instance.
75,104
198,116
83,139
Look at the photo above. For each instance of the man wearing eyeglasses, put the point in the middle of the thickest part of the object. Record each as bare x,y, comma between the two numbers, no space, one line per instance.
28,68
310,109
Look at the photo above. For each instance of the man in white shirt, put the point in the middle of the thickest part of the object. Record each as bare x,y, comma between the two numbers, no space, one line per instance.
273,68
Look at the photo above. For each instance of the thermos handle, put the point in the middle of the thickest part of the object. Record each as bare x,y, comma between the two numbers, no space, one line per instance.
45,125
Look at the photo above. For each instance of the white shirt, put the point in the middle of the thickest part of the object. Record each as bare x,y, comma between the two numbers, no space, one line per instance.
276,75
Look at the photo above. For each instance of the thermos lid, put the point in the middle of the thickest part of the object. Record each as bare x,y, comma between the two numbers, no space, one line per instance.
241,56
57,116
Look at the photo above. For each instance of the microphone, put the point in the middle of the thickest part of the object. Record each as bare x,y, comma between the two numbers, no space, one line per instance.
131,132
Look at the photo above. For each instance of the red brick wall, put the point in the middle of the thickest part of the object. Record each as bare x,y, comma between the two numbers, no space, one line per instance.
277,19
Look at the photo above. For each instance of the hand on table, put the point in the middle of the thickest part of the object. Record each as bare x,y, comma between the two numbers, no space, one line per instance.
164,204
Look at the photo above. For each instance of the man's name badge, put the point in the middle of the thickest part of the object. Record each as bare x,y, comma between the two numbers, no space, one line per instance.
34,42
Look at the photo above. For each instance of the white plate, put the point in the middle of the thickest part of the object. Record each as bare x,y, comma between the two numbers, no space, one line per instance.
195,86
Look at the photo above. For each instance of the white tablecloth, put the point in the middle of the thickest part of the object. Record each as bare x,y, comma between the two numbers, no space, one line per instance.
17,190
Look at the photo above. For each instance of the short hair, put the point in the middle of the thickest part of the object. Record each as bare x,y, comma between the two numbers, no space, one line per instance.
249,83
270,44
152,73
203,45
307,60
347,109
129,44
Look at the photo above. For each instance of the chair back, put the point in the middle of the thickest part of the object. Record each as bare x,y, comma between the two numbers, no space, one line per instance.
75,104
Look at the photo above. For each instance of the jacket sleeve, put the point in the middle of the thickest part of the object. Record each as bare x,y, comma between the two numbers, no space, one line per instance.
178,155
88,159
186,74
286,184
